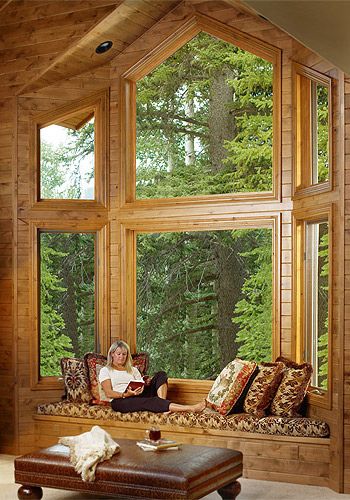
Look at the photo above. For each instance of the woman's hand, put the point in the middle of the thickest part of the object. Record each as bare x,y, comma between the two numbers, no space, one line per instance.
136,392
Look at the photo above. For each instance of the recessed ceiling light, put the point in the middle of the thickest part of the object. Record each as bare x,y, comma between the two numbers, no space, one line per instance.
103,47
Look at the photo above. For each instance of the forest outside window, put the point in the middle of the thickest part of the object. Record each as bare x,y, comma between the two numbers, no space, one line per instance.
206,122
206,296
317,300
67,160
313,314
67,297
312,104
69,151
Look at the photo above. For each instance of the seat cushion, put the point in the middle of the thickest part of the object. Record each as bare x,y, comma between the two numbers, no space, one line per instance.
208,419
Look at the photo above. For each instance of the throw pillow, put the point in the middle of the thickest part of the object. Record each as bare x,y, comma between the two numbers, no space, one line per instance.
263,388
229,385
92,360
102,399
140,361
292,389
76,381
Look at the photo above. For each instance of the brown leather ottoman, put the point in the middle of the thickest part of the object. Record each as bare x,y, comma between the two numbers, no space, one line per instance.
190,472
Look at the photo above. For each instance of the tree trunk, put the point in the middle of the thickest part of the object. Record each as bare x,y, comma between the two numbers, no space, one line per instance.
230,275
221,121
69,310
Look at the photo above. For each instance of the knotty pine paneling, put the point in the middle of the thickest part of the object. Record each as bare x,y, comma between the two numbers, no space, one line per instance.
50,98
7,333
347,298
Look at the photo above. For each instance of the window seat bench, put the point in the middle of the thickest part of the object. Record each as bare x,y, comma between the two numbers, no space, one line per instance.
276,448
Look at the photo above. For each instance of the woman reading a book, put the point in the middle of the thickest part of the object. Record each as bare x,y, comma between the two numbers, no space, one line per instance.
119,380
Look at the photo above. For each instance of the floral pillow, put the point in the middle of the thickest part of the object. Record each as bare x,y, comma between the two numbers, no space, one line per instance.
76,381
229,385
292,389
263,388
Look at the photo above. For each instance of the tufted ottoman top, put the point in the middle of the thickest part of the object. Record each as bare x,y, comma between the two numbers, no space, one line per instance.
190,472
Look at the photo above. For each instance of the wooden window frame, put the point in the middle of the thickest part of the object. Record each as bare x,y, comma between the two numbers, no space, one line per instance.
303,141
101,292
194,25
301,218
128,233
98,105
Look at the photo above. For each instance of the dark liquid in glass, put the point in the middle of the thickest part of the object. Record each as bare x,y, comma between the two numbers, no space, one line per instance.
154,434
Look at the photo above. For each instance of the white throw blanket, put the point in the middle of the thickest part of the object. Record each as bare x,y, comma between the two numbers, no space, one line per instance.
89,449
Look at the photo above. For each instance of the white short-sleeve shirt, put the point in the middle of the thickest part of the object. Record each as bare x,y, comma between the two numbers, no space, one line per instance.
119,378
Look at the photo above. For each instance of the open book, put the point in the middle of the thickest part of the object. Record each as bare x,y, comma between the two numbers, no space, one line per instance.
162,444
134,384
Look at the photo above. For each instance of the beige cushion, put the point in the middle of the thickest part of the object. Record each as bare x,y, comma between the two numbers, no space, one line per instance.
229,385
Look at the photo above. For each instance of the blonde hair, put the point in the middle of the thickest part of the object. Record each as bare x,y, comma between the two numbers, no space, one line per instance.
114,347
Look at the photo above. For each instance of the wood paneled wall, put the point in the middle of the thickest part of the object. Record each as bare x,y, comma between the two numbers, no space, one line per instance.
118,216
346,358
8,428
29,106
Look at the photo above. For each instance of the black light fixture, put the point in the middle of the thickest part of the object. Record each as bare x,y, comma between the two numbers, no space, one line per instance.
103,47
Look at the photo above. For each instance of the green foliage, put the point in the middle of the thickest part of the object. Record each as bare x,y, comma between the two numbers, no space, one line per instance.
53,344
181,99
323,307
61,168
253,312
322,133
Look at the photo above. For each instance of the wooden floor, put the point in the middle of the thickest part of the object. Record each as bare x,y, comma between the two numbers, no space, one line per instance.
251,489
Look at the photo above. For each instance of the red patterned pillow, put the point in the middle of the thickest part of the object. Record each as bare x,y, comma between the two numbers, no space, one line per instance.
76,380
292,389
140,361
229,385
92,360
263,388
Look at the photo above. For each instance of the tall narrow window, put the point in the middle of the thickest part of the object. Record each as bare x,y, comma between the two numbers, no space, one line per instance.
320,132
67,297
206,296
67,159
312,111
317,300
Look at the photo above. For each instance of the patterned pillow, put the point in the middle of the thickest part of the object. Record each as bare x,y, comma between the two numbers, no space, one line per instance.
263,388
102,398
292,389
140,361
76,381
91,361
229,385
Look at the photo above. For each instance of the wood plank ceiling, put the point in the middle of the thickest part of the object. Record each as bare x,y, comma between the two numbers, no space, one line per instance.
43,41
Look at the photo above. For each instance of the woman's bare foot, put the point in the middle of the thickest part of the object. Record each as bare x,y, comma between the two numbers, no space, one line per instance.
199,406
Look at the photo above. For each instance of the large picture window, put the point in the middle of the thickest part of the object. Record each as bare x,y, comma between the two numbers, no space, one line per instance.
204,298
204,122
